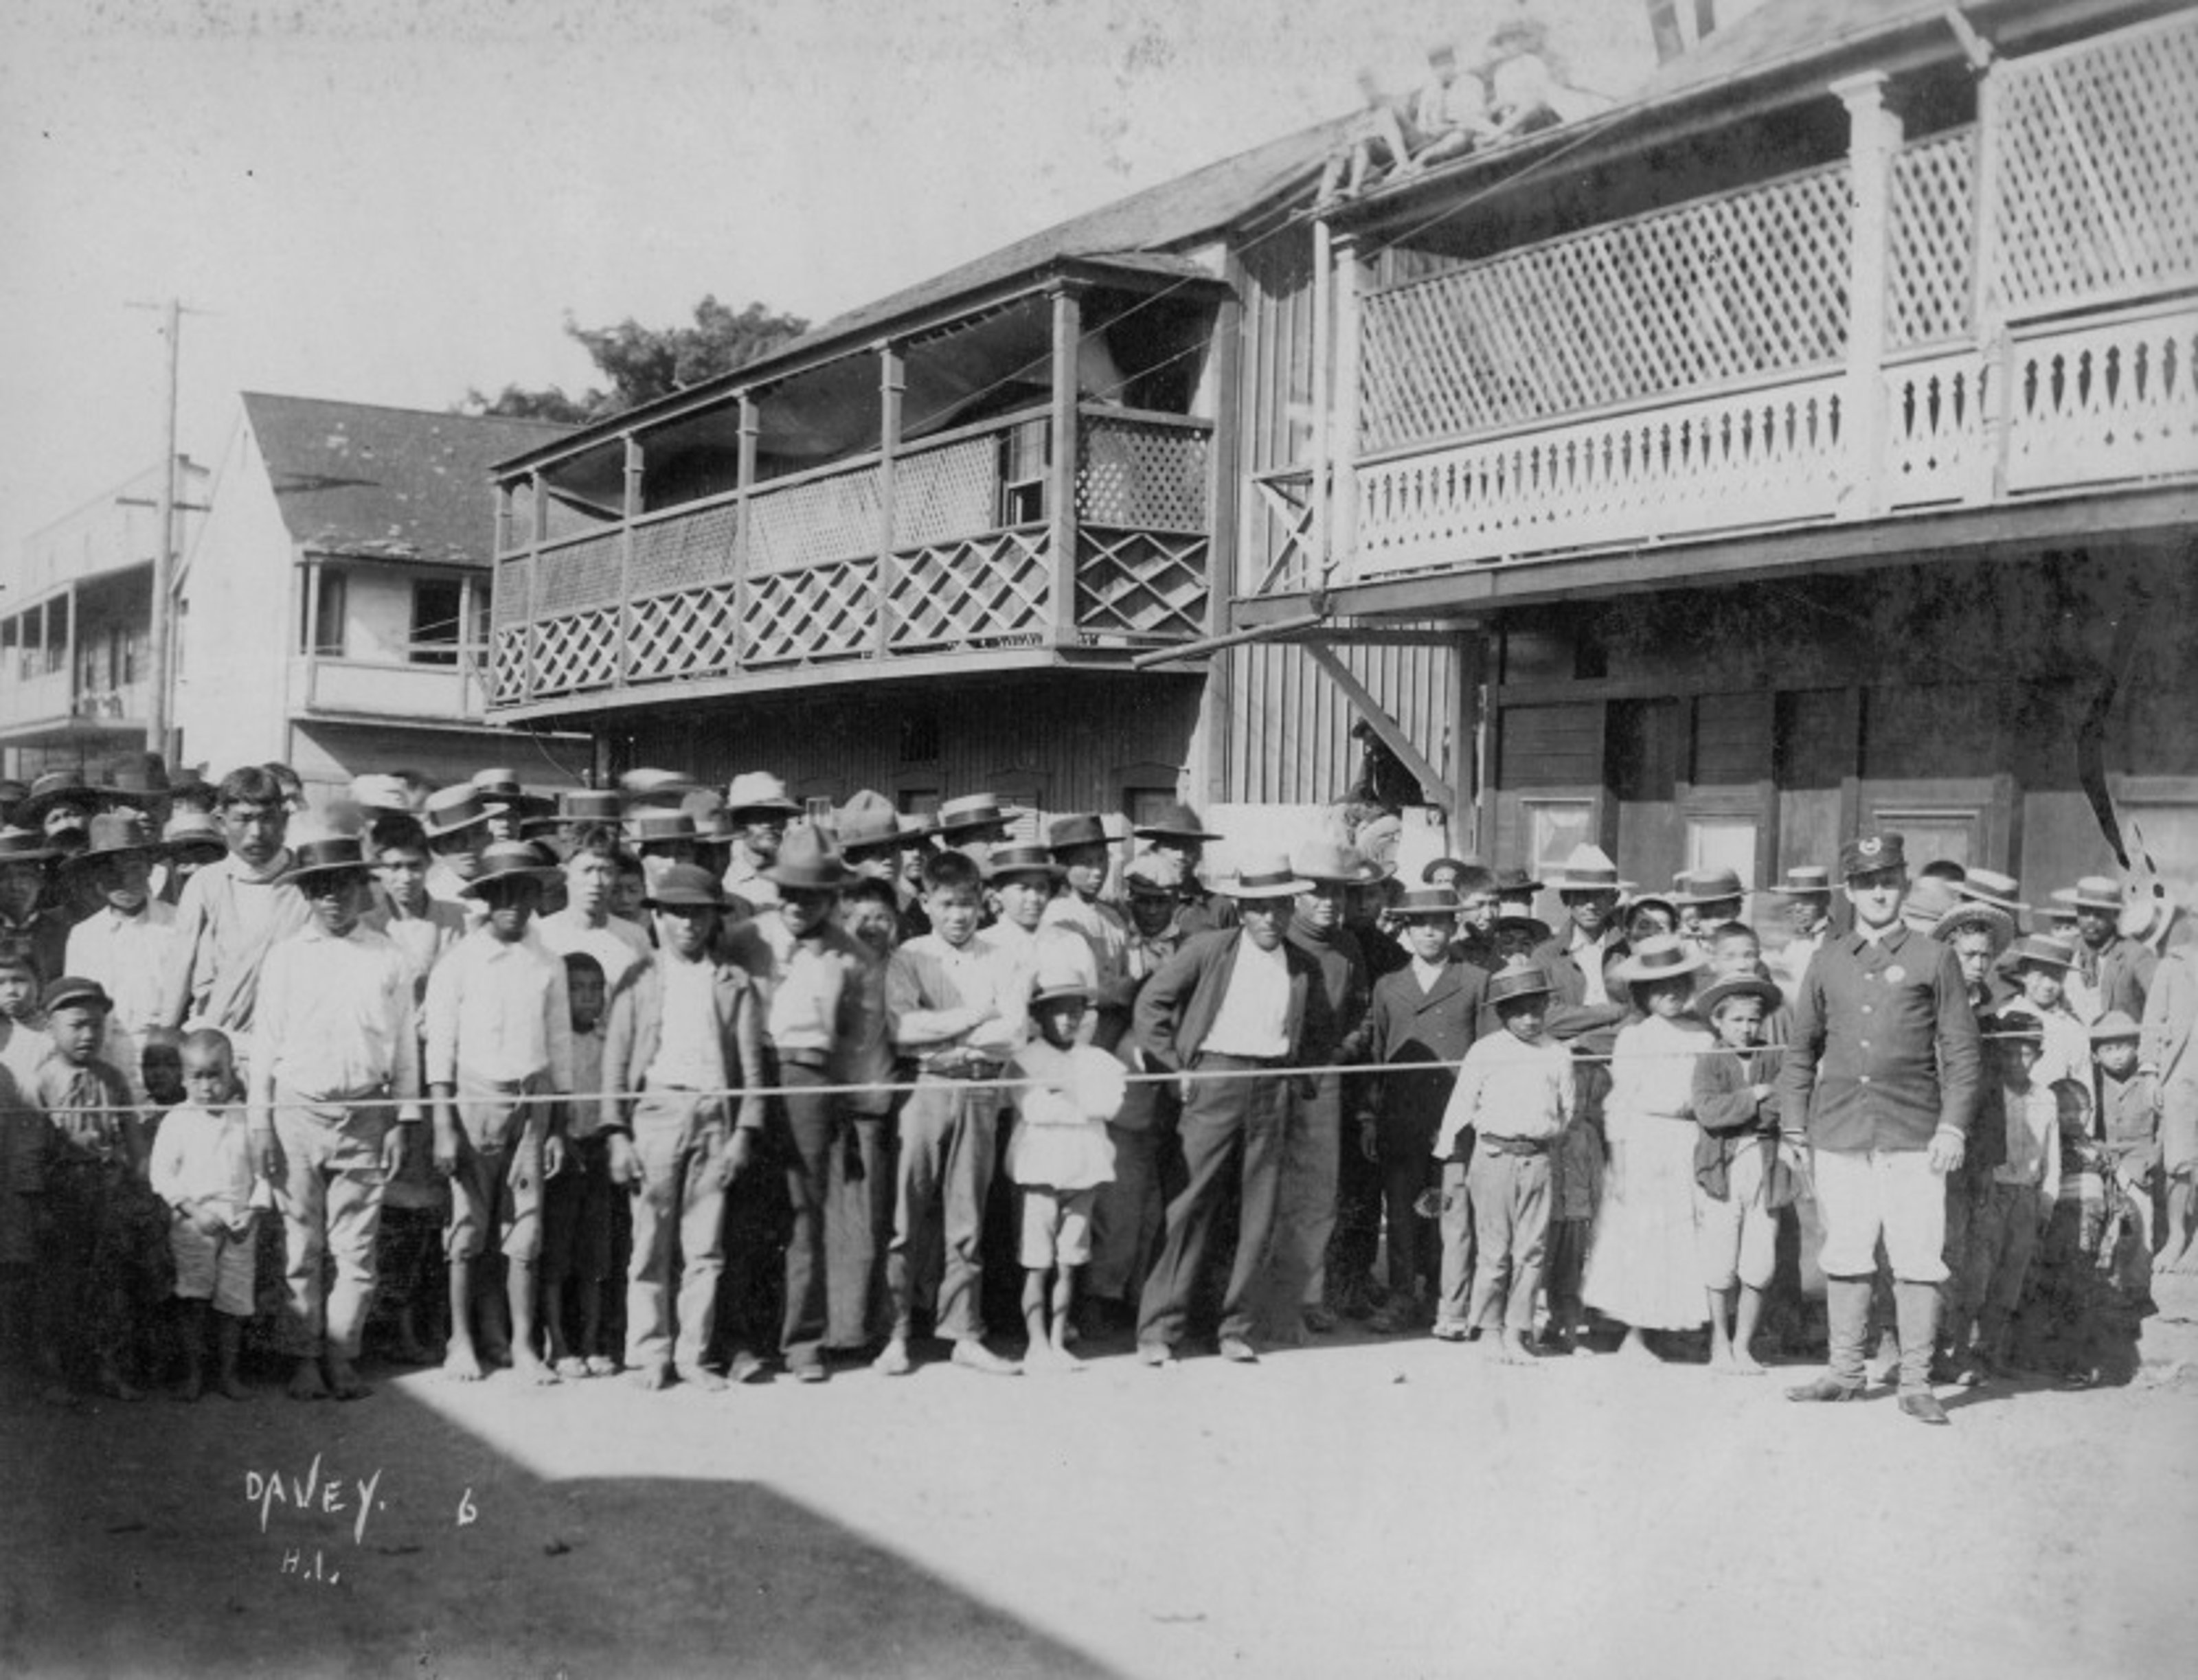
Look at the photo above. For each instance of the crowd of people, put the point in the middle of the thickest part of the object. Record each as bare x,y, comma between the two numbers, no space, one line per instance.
698,1086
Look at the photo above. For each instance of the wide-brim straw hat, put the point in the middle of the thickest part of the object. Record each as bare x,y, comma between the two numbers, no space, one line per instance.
1708,886
760,790
507,861
1265,876
1425,904
1665,957
452,810
1964,917
2045,951
1588,869
56,788
1175,821
2092,893
1520,977
1737,985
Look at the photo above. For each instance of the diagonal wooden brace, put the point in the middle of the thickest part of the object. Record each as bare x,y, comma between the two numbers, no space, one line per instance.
1383,725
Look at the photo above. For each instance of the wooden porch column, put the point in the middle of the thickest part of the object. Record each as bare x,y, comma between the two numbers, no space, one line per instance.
1060,477
503,515
1323,346
751,425
1469,792
630,509
1343,436
1875,134
68,646
1996,402
535,540
893,381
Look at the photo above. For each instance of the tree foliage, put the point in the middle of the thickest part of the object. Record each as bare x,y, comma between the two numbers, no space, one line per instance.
645,363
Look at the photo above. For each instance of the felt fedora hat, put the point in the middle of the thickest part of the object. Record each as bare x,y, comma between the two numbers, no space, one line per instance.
1587,869
972,811
506,861
868,820
1523,927
452,810
1022,859
658,825
2092,893
1521,977
1989,886
1665,957
760,790
322,854
1082,829
117,834
1328,863
499,785
683,886
2042,950
1175,821
140,781
1737,985
1707,887
57,788
1425,904
1056,979
1264,875
192,831
808,862
1511,882
1805,880
28,846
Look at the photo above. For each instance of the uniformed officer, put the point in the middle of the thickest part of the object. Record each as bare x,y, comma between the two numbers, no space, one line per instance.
1882,1069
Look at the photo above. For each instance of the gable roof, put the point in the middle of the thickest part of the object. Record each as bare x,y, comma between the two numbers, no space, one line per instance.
383,483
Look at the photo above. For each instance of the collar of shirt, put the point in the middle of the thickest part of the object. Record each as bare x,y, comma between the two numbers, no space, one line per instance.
1428,972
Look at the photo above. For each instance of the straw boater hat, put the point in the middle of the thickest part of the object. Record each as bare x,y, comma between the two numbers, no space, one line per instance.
1998,891
1329,864
114,834
506,860
1736,985
1805,881
1707,887
656,826
323,851
1264,875
808,863
972,811
684,885
2042,952
1665,957
578,808
1588,869
1026,858
1175,821
2092,893
760,790
28,846
452,810
655,787
499,786
1521,977
1425,904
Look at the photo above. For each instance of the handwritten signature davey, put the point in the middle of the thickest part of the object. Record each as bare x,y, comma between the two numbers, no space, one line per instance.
314,1493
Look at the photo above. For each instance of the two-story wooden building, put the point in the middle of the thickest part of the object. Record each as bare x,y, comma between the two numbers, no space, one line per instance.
1809,441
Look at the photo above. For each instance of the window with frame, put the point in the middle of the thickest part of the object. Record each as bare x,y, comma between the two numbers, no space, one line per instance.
323,634
438,621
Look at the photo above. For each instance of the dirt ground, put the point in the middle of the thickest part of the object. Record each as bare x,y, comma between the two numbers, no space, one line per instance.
1364,1507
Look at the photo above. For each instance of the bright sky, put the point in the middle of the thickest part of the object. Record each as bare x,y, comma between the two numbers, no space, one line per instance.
391,200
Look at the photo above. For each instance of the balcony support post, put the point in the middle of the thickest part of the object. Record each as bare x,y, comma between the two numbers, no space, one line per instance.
1875,135
540,514
630,509
893,381
1343,439
751,427
1064,446
68,652
503,515
1317,558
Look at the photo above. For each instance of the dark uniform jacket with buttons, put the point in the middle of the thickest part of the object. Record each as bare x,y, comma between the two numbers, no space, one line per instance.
1884,1048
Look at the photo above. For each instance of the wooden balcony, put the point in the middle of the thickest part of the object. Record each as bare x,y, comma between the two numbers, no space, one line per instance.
384,691
2000,314
902,561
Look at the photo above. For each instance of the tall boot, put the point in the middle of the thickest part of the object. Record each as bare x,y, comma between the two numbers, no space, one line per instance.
1846,1309
1917,1305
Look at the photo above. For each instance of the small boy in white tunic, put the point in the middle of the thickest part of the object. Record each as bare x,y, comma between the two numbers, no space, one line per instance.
1059,1155
201,1167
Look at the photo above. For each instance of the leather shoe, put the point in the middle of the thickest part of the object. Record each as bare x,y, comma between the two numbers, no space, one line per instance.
1923,1406
1235,1348
1157,1354
1826,1388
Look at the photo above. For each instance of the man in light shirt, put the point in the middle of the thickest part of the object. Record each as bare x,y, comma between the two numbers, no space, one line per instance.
586,926
123,944
334,1090
1235,1004
232,913
499,1051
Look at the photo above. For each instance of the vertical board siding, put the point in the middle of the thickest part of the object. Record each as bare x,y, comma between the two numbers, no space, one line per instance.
1290,727
1275,387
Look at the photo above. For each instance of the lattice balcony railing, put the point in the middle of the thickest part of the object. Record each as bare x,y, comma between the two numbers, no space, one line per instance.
982,590
2104,402
1712,293
685,550
946,490
693,633
507,600
2093,183
1140,585
580,574
1931,260
1149,475
819,519
819,613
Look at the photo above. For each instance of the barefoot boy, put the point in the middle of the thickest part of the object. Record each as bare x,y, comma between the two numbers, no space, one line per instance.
335,1084
1737,1108
201,1167
1514,1093
499,1051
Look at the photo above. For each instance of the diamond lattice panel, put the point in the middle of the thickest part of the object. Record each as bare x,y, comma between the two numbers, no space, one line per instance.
578,652
1930,281
1138,583
689,634
507,671
827,611
681,552
1721,289
1139,474
2095,169
984,589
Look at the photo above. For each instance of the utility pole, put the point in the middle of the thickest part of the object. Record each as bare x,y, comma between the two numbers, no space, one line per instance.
163,637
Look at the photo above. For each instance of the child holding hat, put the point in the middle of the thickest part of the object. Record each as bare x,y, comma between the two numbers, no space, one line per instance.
1738,1176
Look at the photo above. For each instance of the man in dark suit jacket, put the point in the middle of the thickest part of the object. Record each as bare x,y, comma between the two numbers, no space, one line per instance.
1231,1010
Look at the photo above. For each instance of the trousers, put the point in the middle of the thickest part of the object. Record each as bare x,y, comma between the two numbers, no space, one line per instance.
1511,1196
949,1138
679,1225
1232,1134
1125,1225
330,1201
1892,1193
815,1125
1305,1208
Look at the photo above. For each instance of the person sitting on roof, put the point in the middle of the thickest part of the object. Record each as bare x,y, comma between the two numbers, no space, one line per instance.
1449,113
1375,140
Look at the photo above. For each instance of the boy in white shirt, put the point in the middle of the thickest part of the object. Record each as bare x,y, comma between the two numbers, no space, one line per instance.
201,1167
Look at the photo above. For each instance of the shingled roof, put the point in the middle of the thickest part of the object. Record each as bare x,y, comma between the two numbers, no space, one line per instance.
382,483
